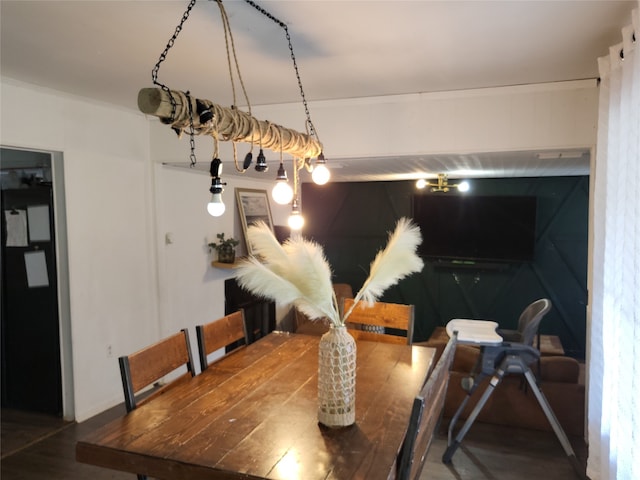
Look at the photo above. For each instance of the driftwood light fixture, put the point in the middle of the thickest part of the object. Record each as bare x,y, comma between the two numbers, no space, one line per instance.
185,113
228,124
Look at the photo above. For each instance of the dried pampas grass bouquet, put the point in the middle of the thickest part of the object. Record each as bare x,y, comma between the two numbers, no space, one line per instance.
297,272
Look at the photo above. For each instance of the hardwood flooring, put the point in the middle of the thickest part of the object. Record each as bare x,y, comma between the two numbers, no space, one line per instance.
36,447
51,456
490,452
22,429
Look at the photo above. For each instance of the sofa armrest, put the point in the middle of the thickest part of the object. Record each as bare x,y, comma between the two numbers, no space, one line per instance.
558,369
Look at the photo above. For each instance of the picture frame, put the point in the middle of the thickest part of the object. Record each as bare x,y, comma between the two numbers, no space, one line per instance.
253,206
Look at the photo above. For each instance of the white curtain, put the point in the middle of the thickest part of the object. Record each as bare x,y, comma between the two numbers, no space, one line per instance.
614,341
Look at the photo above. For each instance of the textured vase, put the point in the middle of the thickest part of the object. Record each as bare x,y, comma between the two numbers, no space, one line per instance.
337,378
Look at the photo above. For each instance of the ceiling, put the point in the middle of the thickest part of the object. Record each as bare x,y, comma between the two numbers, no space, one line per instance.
105,50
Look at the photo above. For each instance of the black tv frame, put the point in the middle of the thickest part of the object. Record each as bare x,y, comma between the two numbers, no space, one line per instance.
470,231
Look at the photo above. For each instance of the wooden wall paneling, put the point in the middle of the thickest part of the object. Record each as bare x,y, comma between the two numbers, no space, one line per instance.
352,221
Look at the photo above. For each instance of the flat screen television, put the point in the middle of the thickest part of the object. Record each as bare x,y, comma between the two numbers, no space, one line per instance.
478,228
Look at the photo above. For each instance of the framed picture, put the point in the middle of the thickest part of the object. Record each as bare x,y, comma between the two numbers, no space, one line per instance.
253,205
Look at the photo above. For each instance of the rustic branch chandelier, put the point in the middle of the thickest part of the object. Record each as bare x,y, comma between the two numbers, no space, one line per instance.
185,113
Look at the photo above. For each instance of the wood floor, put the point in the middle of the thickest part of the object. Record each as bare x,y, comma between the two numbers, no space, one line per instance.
489,452
39,447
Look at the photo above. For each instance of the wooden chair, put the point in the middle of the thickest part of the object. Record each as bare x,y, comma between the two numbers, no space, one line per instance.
146,366
318,327
385,315
224,332
426,415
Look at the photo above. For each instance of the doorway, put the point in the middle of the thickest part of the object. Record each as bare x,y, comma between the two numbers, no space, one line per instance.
31,355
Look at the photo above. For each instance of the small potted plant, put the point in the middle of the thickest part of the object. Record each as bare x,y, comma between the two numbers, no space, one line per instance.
225,247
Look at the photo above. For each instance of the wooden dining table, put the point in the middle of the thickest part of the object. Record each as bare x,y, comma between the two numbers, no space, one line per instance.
253,415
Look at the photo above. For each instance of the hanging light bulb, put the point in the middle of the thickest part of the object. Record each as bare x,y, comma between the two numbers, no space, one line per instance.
282,192
321,173
421,183
296,220
463,186
216,206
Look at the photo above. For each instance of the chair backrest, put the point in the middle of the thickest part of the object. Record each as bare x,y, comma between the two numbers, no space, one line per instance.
530,318
385,315
228,330
426,415
146,366
302,324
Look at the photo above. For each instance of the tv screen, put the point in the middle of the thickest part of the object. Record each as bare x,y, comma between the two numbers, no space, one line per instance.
486,228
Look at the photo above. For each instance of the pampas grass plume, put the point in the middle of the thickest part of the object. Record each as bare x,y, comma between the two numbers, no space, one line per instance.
398,260
298,273
294,273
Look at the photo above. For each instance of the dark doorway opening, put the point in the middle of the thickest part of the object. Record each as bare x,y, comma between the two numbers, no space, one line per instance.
30,327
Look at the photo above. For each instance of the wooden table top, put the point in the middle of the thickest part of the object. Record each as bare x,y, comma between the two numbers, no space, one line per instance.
253,414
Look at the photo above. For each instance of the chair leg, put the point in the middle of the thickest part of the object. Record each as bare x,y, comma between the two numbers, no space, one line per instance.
513,364
562,437
476,379
453,446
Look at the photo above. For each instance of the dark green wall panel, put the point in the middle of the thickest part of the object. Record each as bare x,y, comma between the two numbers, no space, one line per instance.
352,222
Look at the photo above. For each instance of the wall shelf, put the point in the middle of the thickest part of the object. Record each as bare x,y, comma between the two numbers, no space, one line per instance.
228,266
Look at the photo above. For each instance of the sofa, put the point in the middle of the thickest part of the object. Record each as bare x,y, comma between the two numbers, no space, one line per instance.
513,403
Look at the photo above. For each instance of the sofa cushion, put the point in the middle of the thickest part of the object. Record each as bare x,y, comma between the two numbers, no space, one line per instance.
514,404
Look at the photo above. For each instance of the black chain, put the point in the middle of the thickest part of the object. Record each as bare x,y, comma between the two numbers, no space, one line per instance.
165,88
154,78
163,56
312,130
192,141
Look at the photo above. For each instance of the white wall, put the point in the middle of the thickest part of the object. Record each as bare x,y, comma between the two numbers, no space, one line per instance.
191,290
113,299
519,118
128,287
